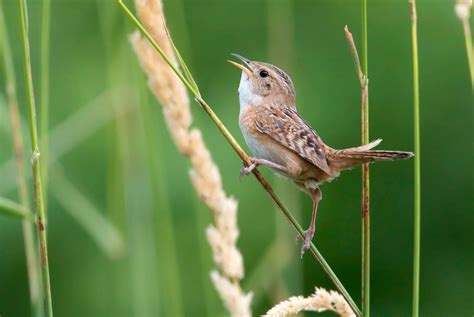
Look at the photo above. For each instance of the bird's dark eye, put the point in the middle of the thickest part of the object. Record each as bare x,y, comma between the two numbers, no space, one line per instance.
263,73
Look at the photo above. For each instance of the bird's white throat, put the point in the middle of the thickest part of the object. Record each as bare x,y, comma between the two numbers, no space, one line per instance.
246,96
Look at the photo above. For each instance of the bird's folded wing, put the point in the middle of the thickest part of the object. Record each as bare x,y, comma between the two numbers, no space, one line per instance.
285,126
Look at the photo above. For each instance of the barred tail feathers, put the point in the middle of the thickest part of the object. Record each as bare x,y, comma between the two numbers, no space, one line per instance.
370,156
351,157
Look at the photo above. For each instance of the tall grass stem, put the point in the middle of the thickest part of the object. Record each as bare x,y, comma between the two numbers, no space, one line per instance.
44,95
365,171
417,193
240,152
41,224
32,261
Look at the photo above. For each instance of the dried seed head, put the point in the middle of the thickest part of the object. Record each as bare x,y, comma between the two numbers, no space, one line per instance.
320,301
463,9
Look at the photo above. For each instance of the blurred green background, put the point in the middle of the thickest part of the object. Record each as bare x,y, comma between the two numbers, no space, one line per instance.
126,230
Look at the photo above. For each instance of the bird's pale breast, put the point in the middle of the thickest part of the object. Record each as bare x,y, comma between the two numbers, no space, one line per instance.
256,141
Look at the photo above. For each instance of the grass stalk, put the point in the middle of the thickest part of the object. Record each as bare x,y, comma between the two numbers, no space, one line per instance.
44,95
417,193
365,171
365,180
41,223
32,262
240,152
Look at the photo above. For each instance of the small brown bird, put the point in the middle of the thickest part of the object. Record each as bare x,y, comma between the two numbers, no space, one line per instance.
281,140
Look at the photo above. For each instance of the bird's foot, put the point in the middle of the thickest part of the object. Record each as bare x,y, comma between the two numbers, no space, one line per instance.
308,236
246,170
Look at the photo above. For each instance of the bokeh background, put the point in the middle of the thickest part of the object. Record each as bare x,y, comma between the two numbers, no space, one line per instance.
126,230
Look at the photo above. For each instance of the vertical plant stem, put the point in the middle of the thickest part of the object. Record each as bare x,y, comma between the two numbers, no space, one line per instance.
32,263
365,172
44,94
35,161
417,193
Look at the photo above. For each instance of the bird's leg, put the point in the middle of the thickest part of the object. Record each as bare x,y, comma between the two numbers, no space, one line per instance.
316,196
246,170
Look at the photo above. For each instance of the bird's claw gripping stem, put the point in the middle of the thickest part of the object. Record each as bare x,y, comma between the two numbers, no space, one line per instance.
246,170
308,236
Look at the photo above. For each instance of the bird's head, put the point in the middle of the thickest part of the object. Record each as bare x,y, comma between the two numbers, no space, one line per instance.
263,82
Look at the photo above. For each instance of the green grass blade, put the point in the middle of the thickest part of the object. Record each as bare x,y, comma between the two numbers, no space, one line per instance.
36,161
182,64
44,95
417,185
12,209
32,259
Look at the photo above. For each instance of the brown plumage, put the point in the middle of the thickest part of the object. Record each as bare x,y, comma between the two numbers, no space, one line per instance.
281,140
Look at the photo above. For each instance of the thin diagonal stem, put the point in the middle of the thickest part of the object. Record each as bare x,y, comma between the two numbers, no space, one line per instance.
32,263
417,193
365,172
241,153
35,160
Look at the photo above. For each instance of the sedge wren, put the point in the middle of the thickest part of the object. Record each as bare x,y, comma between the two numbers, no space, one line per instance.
280,139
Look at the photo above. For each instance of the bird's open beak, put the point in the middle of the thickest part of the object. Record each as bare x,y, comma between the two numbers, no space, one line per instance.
246,61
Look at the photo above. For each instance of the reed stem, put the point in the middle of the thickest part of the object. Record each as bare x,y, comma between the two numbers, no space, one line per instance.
417,193
365,171
44,95
35,161
32,262
240,152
